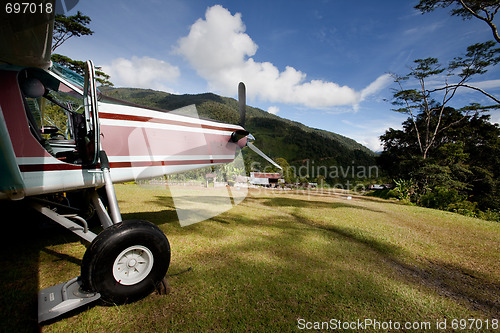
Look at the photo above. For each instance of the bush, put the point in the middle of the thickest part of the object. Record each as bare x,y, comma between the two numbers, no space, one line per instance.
406,189
450,200
490,215
464,207
440,198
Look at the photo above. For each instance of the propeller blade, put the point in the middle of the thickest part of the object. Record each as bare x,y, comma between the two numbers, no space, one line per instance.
242,102
257,150
235,137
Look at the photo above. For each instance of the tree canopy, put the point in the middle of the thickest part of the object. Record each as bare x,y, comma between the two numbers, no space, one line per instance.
428,104
484,10
444,157
79,67
66,27
464,157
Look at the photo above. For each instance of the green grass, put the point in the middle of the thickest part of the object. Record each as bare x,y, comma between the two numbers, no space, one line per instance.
279,257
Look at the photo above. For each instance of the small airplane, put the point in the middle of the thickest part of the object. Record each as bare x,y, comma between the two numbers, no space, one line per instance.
63,145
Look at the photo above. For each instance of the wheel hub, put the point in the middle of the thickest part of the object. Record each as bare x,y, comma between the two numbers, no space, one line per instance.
133,265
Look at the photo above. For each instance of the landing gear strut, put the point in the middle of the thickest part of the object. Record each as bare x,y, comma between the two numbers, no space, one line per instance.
125,262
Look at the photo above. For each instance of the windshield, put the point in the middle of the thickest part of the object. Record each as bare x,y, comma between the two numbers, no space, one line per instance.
68,74
55,113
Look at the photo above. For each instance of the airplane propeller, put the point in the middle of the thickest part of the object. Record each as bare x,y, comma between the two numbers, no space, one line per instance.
242,108
242,96
258,151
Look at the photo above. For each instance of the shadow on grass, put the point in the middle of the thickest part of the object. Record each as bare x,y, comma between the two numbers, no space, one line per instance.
352,235
26,235
166,216
270,277
447,280
303,203
62,256
268,281
458,283
202,205
267,278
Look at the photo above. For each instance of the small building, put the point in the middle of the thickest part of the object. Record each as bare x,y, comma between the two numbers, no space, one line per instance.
380,187
210,178
265,178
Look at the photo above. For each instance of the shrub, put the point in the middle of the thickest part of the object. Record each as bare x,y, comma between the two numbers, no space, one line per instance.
464,207
440,198
490,215
407,190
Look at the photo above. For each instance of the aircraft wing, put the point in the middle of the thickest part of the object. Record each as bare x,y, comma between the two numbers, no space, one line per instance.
26,38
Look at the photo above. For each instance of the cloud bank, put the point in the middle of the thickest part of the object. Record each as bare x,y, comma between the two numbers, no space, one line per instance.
145,72
220,51
273,109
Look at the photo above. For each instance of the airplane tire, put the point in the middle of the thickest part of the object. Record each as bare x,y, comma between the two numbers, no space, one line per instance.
126,261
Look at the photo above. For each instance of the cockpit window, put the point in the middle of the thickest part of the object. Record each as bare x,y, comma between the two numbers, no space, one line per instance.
68,75
55,113
58,106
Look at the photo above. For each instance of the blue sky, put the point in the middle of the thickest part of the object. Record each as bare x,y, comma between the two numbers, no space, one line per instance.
323,63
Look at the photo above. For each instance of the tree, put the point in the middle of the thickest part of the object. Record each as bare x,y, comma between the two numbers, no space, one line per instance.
79,67
429,104
463,161
66,27
484,10
287,172
451,156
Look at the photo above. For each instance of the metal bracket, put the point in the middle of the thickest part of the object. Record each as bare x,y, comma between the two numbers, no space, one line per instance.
77,229
64,297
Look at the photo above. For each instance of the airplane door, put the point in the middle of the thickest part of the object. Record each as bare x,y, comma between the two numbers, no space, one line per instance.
91,116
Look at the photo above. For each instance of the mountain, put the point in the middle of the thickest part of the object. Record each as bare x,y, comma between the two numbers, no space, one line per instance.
277,137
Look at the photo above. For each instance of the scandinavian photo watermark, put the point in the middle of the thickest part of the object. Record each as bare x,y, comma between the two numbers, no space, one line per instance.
309,169
201,194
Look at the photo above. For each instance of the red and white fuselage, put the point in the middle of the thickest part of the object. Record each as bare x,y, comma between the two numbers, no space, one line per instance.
140,143
144,143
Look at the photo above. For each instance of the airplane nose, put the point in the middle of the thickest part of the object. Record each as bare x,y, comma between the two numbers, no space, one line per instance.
238,135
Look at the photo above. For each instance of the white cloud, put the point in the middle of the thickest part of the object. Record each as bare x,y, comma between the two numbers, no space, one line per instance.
371,142
145,72
495,117
273,109
218,48
423,29
380,83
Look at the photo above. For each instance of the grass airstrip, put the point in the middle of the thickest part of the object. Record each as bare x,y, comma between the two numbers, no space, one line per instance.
280,261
